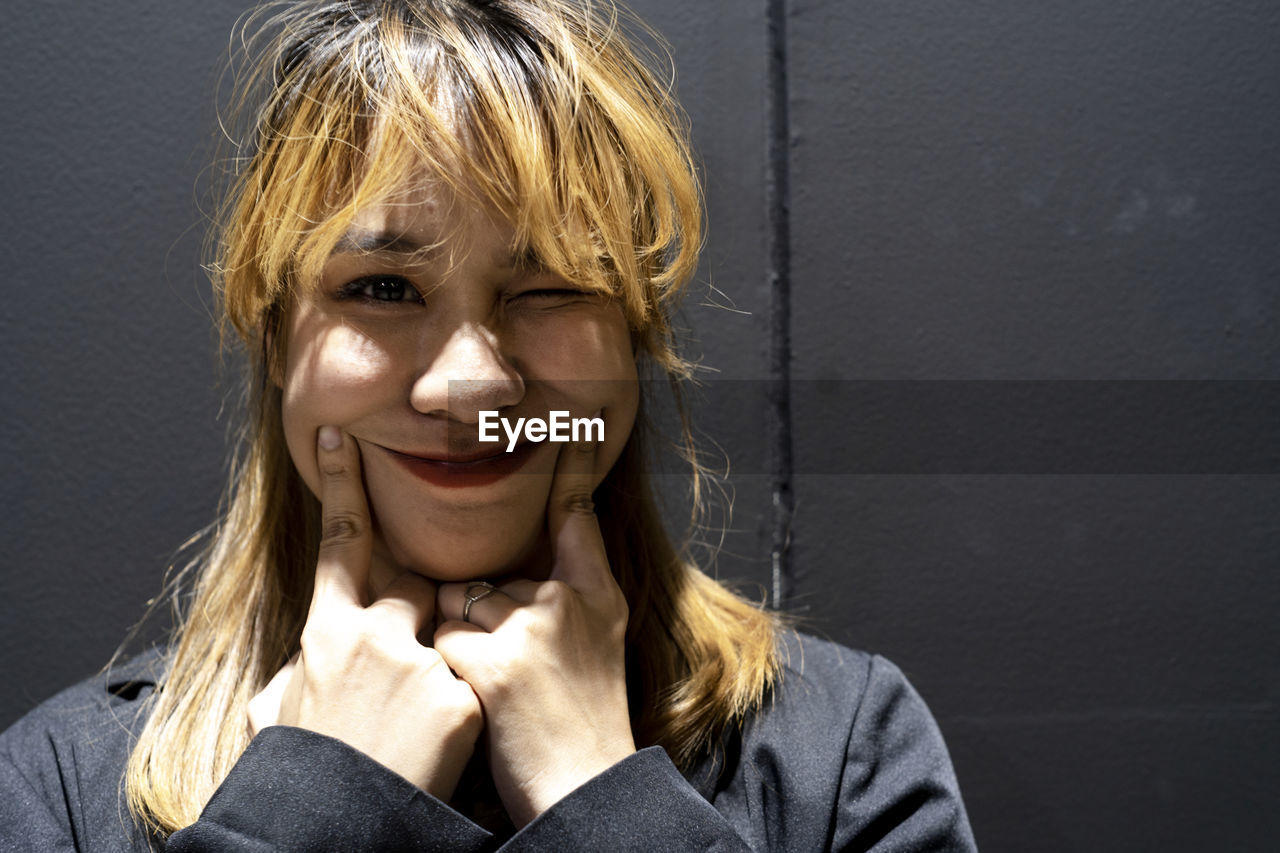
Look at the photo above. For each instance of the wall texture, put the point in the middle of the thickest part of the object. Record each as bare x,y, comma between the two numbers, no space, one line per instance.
907,200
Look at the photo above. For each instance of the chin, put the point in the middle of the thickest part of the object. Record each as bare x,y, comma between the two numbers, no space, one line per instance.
460,534
479,555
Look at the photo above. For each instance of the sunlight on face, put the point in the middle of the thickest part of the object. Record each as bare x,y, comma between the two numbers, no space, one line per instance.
423,319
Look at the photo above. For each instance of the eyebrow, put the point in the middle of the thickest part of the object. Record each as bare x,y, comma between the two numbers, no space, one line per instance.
393,243
383,242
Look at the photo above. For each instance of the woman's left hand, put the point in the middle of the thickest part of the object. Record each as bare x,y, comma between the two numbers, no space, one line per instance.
547,660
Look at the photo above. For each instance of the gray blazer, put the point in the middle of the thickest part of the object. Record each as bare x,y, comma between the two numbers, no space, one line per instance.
845,756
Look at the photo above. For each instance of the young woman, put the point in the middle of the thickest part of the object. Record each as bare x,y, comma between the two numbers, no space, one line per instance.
401,636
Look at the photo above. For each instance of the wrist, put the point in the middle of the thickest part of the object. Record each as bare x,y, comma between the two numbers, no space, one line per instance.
549,788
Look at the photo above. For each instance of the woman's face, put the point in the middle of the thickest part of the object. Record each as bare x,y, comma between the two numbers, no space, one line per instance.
423,320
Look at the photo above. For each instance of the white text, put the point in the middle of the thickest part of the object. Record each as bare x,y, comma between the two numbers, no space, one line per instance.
558,427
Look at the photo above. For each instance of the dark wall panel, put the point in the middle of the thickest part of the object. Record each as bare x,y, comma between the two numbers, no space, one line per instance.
1040,192
1001,190
112,452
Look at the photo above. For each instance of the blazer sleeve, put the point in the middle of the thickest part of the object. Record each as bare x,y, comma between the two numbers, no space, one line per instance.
898,790
294,789
642,803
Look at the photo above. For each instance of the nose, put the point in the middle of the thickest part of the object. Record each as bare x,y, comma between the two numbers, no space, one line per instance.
467,376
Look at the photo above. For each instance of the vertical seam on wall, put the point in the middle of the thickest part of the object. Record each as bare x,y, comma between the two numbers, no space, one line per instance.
778,201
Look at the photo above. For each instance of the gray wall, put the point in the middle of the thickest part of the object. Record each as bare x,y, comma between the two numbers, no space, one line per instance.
898,192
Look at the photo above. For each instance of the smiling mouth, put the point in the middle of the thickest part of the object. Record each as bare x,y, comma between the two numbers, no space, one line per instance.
464,470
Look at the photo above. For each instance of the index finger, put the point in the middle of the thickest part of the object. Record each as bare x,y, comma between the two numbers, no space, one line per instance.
346,541
579,557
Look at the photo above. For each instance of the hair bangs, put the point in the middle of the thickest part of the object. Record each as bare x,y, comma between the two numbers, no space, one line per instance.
540,114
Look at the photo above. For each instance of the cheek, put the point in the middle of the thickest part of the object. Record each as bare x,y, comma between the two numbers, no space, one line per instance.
340,359
597,347
589,366
333,375
582,343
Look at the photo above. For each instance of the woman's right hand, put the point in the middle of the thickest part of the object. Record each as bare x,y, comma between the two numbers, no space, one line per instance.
361,675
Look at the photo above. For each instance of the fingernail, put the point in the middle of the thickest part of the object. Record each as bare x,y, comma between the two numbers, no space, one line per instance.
330,438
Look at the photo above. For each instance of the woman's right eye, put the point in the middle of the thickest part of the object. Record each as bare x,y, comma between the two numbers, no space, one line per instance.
380,288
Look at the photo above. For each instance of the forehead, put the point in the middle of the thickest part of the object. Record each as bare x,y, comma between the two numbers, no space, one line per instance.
422,218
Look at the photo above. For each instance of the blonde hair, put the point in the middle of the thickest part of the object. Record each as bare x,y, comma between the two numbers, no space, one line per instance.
547,112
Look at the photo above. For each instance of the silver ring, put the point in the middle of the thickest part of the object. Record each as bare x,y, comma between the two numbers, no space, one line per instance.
486,589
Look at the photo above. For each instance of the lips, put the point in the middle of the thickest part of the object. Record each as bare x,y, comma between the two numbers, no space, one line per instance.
462,470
